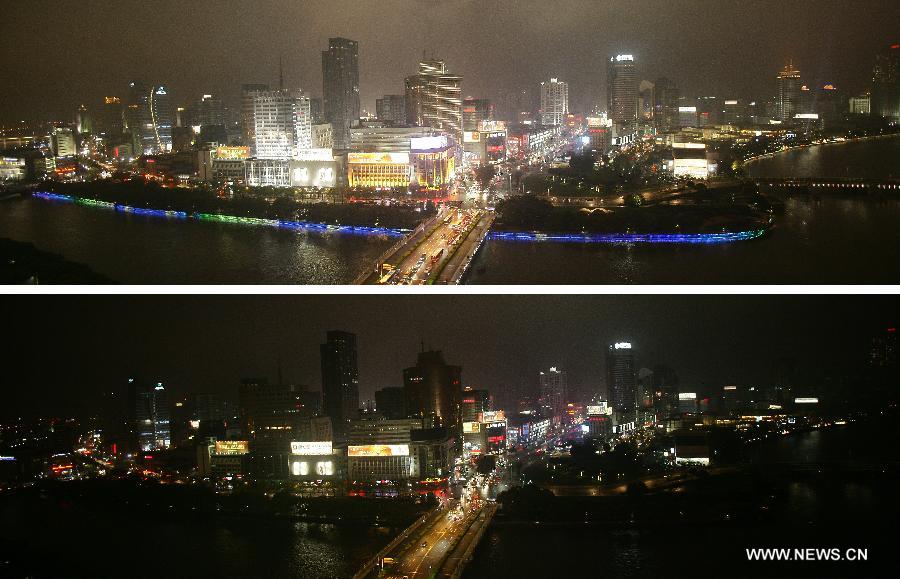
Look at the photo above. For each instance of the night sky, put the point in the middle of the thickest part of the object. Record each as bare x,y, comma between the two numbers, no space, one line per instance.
62,351
58,53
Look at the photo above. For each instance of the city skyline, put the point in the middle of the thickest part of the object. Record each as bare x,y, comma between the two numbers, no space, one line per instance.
498,348
231,50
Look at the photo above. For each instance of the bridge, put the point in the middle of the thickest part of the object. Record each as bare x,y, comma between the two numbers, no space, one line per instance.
439,251
439,544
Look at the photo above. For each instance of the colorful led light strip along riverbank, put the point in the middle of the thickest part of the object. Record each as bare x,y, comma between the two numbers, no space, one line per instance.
694,238
296,225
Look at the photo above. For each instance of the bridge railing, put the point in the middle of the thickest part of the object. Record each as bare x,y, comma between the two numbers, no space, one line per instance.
376,559
365,274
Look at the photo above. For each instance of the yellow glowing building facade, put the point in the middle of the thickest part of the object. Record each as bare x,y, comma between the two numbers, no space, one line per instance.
378,169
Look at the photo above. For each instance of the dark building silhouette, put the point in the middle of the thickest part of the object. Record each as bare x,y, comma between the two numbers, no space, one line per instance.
391,403
340,78
340,379
886,83
434,391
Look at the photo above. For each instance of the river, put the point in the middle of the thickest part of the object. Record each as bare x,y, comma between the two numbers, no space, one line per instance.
827,239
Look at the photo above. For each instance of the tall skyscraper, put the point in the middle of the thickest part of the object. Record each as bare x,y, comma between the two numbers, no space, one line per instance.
622,89
150,415
270,417
434,98
434,390
787,93
111,118
886,83
620,376
340,77
474,402
340,379
281,122
391,108
151,119
665,104
554,102
554,394
83,121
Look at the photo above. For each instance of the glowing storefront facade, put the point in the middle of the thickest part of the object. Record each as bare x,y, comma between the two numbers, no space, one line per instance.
378,170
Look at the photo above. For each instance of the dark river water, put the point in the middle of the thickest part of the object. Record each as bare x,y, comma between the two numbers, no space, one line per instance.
818,240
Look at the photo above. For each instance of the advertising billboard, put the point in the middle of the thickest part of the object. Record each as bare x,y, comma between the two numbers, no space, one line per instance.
232,447
471,137
596,409
378,158
493,416
313,173
492,126
687,395
311,448
471,427
427,143
308,468
379,450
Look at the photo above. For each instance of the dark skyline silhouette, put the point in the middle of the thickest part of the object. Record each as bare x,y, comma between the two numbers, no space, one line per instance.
61,54
64,351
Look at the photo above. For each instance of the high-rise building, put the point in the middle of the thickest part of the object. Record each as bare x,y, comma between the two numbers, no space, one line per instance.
248,124
620,376
861,105
282,125
340,75
111,119
665,106
150,118
269,415
434,390
622,89
475,402
886,83
476,111
316,113
340,379
554,394
150,415
391,108
434,98
62,142
787,93
83,121
554,102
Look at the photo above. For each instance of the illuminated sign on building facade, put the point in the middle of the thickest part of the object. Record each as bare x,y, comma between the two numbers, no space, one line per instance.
623,345
471,427
378,158
225,447
379,450
492,416
311,448
320,468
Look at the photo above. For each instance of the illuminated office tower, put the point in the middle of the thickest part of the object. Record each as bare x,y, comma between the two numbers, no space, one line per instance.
281,124
554,102
150,415
620,376
886,83
433,391
340,379
554,394
434,98
83,121
248,126
622,89
149,117
787,93
476,111
340,78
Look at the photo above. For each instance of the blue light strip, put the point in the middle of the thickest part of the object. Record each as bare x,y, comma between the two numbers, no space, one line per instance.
295,225
619,238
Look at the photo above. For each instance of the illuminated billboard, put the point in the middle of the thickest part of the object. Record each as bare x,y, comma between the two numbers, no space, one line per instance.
427,143
314,155
311,448
378,158
806,400
379,450
308,468
623,345
596,409
492,126
730,388
471,137
232,153
232,447
492,416
312,173
687,395
471,427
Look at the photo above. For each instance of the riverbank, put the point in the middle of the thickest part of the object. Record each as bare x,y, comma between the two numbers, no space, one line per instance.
23,263
149,198
844,141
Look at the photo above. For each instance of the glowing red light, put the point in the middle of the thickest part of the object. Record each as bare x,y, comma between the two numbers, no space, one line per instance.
895,46
891,330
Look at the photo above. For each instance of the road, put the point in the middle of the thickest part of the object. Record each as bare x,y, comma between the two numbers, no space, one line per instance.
415,262
423,553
